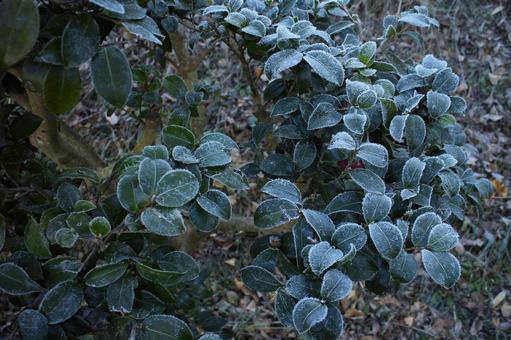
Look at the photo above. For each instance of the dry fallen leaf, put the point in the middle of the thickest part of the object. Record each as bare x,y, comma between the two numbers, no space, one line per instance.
498,299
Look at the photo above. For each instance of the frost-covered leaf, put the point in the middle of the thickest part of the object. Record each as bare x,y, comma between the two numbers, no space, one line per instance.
320,222
299,286
307,313
15,281
422,227
284,189
355,121
335,286
284,304
226,141
442,237
443,267
397,127
368,180
35,240
129,194
331,327
120,295
322,256
282,61
412,172
67,196
176,188
216,203
375,154
415,130
79,40
343,141
173,135
183,155
255,28
326,66
32,324
348,234
233,179
62,302
259,279
367,52
403,268
278,165
166,327
211,154
163,221
438,103
350,201
450,182
387,239
304,154
445,81
409,82
109,5
324,115
376,206
103,275
149,173
274,212
286,106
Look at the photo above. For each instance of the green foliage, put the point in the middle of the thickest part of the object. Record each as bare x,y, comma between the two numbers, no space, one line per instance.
367,166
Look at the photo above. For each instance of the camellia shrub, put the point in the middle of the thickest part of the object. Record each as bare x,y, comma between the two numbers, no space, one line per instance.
364,163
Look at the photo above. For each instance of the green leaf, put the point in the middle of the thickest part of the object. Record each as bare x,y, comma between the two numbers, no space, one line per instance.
226,141
415,129
19,29
232,179
343,141
162,277
79,40
183,155
61,89
129,194
120,295
61,302
324,115
304,154
174,135
335,286
387,239
211,154
67,196
442,238
259,279
445,81
326,66
284,189
149,173
323,256
216,203
437,103
176,188
281,61
397,127
286,106
111,75
422,227
15,281
331,327
350,201
99,226
62,268
181,262
274,212
368,180
320,222
35,241
83,206
145,28
375,154
32,324
403,268
163,221
166,327
376,207
283,306
348,234
307,313
175,87
299,286
104,275
412,172
201,219
23,126
109,5
146,304
367,52
156,152
278,165
443,267
66,237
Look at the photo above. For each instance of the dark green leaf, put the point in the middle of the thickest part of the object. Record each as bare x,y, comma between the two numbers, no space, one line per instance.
15,281
79,40
274,212
335,286
104,275
163,221
307,313
387,239
35,241
32,324
304,154
216,203
162,327
61,302
347,234
61,90
259,279
120,295
173,135
443,267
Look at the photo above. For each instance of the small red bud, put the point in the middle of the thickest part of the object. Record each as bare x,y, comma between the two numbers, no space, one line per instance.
358,165
342,164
